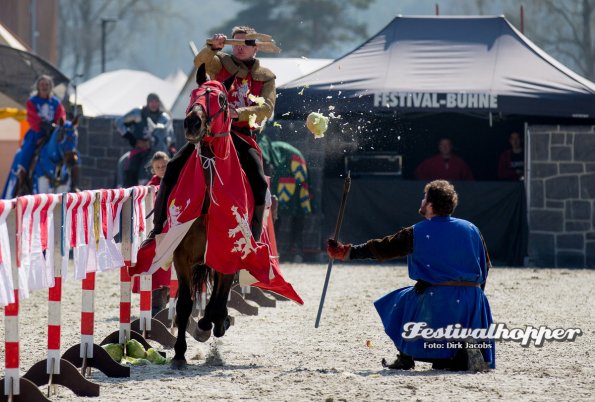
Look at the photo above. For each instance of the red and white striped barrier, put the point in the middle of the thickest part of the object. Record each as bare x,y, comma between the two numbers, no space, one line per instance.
90,221
11,313
6,284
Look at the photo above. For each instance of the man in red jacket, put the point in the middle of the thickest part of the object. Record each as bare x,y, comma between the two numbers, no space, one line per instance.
512,161
444,166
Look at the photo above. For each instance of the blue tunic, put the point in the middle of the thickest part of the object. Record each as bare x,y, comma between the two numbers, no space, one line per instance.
444,249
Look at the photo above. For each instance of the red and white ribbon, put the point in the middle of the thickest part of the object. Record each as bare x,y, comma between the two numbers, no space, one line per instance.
35,238
138,219
109,255
79,233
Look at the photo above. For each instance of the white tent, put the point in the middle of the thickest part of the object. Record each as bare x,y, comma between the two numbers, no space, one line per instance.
116,92
286,69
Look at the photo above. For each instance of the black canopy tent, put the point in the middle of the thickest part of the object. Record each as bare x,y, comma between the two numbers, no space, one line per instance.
20,69
444,64
474,79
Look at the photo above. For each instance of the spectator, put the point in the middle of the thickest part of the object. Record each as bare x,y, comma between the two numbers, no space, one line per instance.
444,166
158,165
288,170
512,161
147,130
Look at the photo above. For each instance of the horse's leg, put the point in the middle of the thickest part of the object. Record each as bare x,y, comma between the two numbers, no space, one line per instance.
185,257
183,310
216,310
221,320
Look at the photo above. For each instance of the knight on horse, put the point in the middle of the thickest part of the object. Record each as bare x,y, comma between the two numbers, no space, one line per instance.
251,98
205,216
148,130
44,112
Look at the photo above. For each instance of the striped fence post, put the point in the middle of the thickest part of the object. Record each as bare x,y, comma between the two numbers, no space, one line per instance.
87,354
173,294
11,329
54,370
125,331
146,280
145,304
125,285
13,386
87,316
146,325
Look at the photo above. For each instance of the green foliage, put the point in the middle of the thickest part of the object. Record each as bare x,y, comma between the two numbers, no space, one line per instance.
303,27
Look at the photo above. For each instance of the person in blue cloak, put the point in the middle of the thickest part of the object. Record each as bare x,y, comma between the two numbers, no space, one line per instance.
449,260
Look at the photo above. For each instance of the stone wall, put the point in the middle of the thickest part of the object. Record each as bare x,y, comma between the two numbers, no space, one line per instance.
562,196
100,146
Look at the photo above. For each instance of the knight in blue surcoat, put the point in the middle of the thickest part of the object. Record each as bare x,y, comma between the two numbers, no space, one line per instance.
434,320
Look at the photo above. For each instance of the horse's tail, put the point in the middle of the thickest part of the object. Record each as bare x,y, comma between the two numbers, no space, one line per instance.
201,277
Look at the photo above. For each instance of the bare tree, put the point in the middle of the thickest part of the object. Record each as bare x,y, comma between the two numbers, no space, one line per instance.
564,29
81,37
567,30
304,27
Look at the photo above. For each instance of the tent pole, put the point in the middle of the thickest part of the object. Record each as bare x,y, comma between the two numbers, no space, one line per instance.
522,20
527,146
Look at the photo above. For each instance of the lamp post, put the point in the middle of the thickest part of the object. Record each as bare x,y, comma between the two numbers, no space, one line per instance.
104,22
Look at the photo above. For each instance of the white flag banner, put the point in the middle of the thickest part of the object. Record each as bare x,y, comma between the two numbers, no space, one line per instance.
6,284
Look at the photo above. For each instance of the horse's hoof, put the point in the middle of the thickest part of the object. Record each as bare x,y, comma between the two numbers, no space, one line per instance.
220,329
202,336
178,364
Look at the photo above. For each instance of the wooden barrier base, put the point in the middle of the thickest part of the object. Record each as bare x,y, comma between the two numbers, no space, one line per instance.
69,377
158,333
257,296
28,392
101,360
237,302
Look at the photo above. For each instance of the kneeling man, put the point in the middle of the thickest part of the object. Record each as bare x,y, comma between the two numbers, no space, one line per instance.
448,259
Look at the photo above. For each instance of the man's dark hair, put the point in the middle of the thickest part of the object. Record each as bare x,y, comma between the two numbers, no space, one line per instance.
443,197
243,29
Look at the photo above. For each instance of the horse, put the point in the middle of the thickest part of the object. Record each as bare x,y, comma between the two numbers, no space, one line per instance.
189,256
55,169
54,166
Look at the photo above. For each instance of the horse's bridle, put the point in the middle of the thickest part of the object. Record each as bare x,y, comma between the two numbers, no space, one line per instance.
223,108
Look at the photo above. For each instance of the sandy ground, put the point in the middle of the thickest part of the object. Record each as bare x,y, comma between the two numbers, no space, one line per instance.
280,356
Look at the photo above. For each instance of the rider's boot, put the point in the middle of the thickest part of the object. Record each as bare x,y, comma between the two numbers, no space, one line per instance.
257,221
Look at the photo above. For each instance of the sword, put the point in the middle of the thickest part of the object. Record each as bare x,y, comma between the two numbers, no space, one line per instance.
263,42
346,187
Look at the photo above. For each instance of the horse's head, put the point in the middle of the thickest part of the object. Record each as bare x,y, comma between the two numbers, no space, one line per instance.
208,112
68,139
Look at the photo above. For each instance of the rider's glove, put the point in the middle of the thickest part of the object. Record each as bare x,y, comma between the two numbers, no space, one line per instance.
337,250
